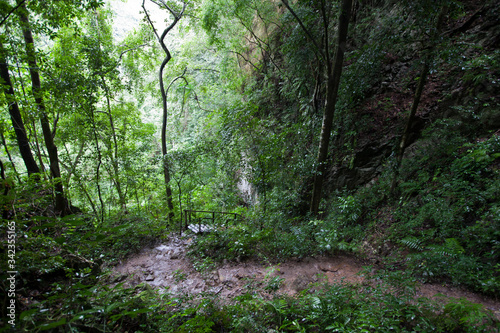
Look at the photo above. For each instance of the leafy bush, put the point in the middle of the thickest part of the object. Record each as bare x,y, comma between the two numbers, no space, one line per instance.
234,243
128,235
449,216
347,308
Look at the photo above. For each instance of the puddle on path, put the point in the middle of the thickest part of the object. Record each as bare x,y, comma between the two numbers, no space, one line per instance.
167,268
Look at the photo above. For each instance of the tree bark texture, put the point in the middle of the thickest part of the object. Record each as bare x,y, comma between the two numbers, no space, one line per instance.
16,118
61,204
334,74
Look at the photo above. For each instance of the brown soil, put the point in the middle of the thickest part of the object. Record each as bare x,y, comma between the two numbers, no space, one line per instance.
167,268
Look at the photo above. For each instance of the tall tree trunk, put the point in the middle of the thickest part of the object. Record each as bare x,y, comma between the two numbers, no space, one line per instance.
114,153
61,204
31,130
403,143
334,74
161,40
16,118
98,167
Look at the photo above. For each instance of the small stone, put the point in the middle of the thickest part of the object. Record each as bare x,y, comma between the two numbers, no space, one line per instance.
301,283
327,267
162,248
150,277
224,276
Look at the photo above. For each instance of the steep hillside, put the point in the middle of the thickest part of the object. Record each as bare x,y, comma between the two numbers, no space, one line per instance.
442,221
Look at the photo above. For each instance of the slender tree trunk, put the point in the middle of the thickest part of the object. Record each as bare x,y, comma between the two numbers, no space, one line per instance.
180,195
166,168
409,122
334,74
99,162
38,149
73,170
16,118
31,131
137,199
61,204
161,40
9,156
416,100
114,153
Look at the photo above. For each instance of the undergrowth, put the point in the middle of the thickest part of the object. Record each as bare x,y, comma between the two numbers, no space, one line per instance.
58,260
446,216
449,216
78,306
62,288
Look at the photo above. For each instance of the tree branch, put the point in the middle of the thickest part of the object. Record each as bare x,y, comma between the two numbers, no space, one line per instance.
149,20
246,60
12,11
131,49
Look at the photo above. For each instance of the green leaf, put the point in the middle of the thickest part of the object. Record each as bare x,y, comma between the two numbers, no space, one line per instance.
49,326
113,306
136,312
81,315
26,315
60,240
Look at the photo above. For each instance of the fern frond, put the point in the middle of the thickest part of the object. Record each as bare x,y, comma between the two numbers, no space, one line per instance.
316,303
279,306
412,243
454,246
440,250
450,248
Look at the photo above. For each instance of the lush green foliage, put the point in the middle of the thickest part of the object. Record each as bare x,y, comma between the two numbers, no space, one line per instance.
246,88
455,224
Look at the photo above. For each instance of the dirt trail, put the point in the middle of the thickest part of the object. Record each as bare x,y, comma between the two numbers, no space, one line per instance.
167,268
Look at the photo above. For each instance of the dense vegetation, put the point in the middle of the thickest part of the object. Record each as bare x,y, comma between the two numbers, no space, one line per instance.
99,160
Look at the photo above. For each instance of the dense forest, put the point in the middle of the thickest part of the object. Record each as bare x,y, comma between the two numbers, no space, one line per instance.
288,130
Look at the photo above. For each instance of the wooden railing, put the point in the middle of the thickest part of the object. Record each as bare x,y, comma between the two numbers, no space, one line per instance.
210,220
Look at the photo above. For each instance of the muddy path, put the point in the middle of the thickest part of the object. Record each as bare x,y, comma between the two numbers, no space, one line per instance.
167,268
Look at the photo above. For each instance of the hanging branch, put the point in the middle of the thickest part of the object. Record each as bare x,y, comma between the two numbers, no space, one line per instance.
130,49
